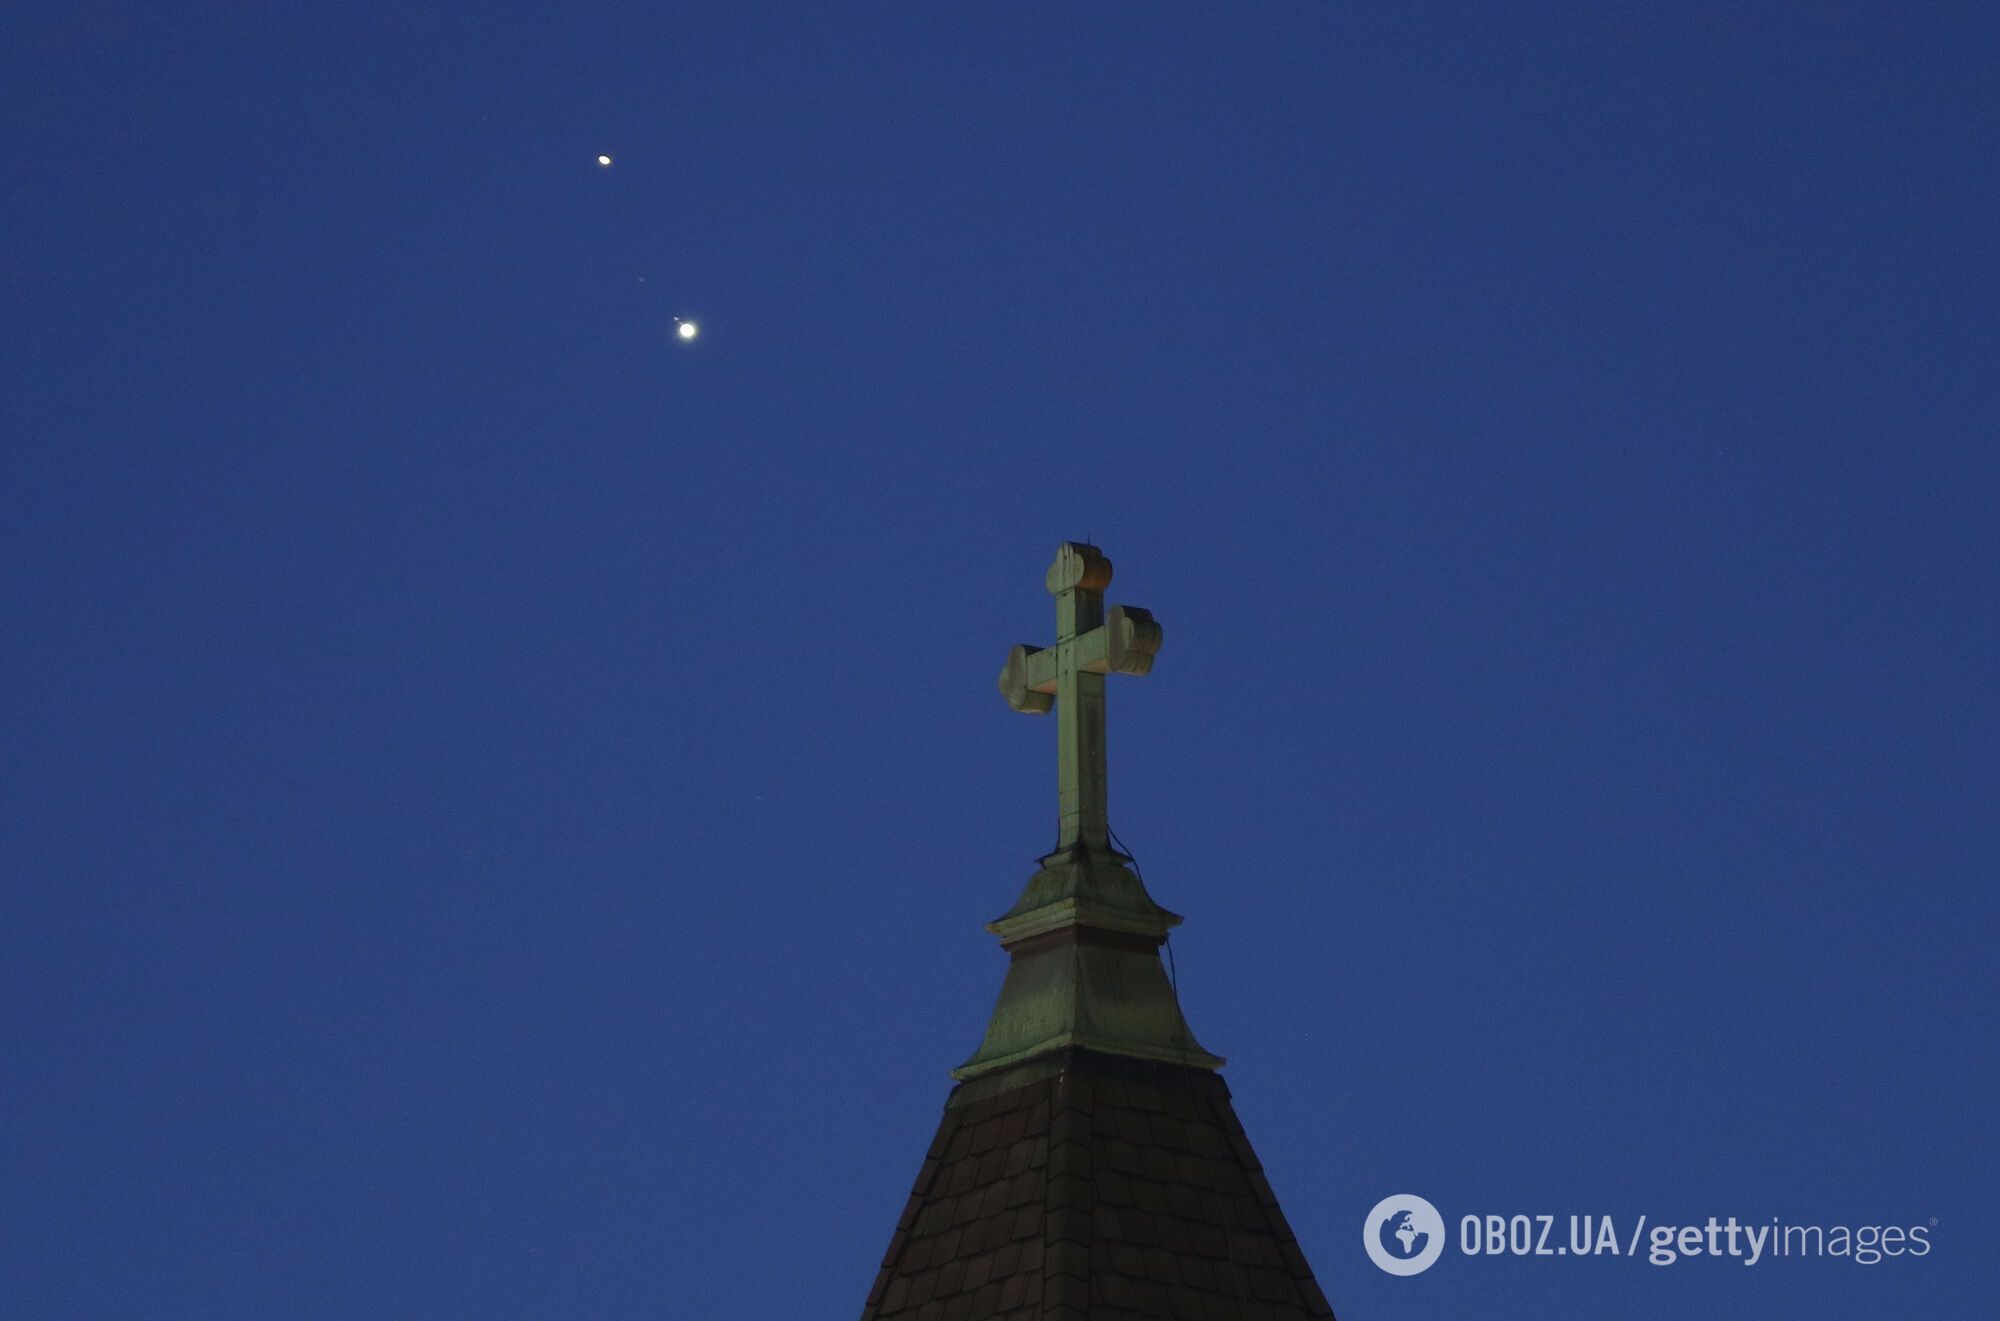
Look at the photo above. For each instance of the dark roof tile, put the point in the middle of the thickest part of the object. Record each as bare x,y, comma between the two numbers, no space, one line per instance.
1121,1156
1070,1125
1067,1290
1152,1298
1067,1258
1069,1225
1069,1189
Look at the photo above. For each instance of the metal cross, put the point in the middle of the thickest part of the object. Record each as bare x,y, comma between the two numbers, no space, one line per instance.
1089,645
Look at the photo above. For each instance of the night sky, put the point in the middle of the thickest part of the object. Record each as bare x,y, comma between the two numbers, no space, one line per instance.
498,804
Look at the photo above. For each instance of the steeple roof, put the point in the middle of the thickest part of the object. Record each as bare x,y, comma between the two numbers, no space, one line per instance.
1094,1188
1089,1164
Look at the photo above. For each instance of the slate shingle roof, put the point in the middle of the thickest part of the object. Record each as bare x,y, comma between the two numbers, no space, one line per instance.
1092,1187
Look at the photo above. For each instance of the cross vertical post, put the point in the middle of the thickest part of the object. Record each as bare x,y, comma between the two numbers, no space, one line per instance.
1080,765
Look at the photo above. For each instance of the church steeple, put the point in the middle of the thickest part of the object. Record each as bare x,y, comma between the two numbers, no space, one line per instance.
1089,1165
1084,935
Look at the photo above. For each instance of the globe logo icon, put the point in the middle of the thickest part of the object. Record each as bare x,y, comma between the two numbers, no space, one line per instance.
1407,1232
1404,1234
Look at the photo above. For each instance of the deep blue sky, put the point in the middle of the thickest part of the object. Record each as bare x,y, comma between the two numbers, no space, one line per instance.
499,805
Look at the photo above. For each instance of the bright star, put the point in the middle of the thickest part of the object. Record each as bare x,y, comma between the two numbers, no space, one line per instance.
687,330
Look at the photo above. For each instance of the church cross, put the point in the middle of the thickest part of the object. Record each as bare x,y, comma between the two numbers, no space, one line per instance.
1089,645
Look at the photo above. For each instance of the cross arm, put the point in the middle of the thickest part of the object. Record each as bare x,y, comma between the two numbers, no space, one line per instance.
1125,643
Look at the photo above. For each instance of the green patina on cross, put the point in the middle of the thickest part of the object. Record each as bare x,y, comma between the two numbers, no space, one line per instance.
1070,676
